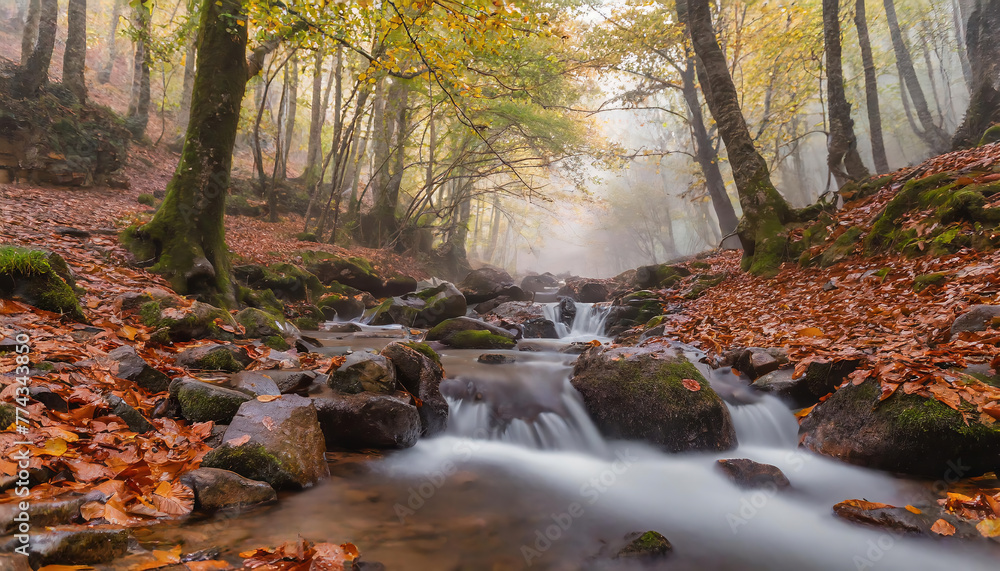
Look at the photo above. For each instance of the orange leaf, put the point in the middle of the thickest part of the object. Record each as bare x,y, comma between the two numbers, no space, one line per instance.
989,528
913,509
691,385
268,398
92,510
65,567
863,504
173,498
941,527
239,441
163,558
128,332
811,332
211,565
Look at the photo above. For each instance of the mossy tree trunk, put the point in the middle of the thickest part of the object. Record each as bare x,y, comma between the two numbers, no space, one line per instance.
75,56
35,72
104,76
317,114
843,159
29,36
871,89
764,210
190,59
187,234
984,57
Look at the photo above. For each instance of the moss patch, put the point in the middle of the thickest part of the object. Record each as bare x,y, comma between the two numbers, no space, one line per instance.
277,342
478,340
920,283
251,460
842,247
424,349
30,276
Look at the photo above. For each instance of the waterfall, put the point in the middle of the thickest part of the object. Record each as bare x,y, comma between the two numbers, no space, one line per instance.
569,429
767,422
588,323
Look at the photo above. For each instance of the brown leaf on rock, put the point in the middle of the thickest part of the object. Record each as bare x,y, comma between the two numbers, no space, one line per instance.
691,385
942,527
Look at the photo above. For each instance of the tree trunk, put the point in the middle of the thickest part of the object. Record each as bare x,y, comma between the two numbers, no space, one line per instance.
138,107
843,159
933,135
764,210
871,89
960,39
104,75
316,118
29,36
75,56
35,73
187,234
708,159
291,108
190,61
984,57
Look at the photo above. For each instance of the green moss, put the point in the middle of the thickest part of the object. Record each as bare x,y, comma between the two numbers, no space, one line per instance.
34,276
655,321
882,273
770,249
201,403
277,342
307,237
700,265
306,323
46,366
251,460
424,349
925,281
884,232
648,545
920,415
147,199
149,313
991,135
842,247
263,299
8,415
478,340
221,360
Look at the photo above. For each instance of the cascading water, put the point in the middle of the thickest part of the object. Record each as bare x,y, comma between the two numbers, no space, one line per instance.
588,322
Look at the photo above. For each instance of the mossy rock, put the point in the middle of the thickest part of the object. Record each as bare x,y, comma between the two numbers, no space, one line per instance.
286,281
340,306
276,342
195,322
660,275
82,546
646,546
990,135
653,394
425,349
478,340
306,323
697,265
842,247
8,415
354,272
307,237
884,232
33,277
425,308
237,205
703,283
202,402
261,299
259,324
146,199
920,283
214,357
454,325
908,434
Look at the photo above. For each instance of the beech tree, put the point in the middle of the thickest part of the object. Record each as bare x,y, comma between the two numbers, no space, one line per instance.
31,76
871,89
984,57
75,56
843,158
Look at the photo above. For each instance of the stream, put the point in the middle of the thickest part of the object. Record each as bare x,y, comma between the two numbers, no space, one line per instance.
523,479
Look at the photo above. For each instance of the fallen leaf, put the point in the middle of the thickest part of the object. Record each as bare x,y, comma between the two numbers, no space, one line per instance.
92,510
210,565
941,527
863,504
173,498
162,559
66,568
913,509
989,527
128,332
811,332
268,422
268,398
691,385
239,441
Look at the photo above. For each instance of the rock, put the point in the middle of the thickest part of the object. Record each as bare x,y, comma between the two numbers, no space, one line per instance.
342,307
660,275
487,283
131,301
398,285
254,383
173,324
527,318
901,520
585,291
418,369
214,357
539,329
445,329
425,308
575,348
279,442
904,433
539,283
33,277
75,546
286,281
46,512
977,318
366,420
479,339
200,401
353,272
820,379
643,393
133,418
750,475
364,371
258,324
756,362
73,232
645,546
496,359
289,382
567,311
636,308
216,489
132,367
51,400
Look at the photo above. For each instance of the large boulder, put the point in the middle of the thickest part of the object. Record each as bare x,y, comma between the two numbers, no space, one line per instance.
425,308
540,282
977,318
254,383
341,306
368,420
527,318
74,545
216,489
286,281
258,324
660,275
354,272
418,369
907,434
586,291
364,371
487,283
653,394
131,367
821,378
279,442
32,276
201,402
174,321
445,329
636,308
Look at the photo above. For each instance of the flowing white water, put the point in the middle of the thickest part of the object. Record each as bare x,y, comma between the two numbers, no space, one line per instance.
588,323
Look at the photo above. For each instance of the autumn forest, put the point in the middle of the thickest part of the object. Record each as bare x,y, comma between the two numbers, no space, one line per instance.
490,284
